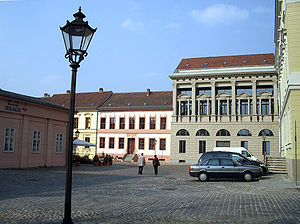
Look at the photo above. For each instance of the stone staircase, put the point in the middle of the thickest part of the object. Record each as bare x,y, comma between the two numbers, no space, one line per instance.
129,157
276,164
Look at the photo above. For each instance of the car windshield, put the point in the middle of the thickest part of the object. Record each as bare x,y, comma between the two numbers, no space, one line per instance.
237,163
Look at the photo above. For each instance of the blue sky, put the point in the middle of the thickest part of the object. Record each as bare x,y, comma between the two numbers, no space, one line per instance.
138,43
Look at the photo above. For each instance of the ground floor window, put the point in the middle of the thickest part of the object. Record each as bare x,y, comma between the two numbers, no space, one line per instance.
87,139
182,146
223,144
244,144
59,143
9,139
152,144
266,148
36,141
202,146
162,144
121,143
102,142
141,143
111,143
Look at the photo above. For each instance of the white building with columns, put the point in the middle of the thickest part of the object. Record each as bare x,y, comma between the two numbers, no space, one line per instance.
224,101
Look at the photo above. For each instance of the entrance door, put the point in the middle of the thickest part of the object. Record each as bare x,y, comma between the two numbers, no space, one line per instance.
131,146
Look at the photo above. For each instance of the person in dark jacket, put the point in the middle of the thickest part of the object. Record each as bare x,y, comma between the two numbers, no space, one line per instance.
155,164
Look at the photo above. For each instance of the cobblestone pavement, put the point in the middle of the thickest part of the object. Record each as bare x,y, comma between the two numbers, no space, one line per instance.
117,194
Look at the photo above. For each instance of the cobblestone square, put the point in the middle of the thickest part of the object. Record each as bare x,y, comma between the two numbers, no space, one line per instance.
117,194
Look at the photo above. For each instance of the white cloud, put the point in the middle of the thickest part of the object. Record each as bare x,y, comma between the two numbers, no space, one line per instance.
219,13
173,25
132,25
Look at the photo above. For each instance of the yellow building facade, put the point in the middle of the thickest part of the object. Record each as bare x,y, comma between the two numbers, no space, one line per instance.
287,41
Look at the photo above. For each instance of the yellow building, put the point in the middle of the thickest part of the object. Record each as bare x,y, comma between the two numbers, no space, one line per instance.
86,116
287,41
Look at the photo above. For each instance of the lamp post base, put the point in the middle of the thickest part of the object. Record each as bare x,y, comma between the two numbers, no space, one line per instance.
67,221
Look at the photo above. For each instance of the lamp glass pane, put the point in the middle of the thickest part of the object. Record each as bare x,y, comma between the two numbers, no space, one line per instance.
66,40
88,37
76,33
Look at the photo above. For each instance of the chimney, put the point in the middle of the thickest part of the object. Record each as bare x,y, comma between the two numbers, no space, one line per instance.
68,91
46,95
148,92
100,90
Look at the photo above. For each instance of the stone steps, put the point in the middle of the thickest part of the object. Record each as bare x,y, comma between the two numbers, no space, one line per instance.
276,165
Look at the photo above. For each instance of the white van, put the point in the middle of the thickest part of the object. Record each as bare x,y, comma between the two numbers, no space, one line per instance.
240,150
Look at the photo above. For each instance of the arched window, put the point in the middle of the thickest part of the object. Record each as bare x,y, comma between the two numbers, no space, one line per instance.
223,132
182,132
244,132
202,132
265,132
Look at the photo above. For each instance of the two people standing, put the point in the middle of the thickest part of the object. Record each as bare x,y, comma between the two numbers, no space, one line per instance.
142,163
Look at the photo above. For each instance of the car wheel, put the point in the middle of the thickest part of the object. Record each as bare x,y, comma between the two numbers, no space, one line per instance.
248,176
203,177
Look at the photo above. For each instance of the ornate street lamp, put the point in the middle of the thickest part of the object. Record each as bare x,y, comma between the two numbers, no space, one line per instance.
77,36
77,134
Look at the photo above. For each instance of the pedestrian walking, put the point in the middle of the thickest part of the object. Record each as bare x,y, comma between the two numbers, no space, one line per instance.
155,164
142,163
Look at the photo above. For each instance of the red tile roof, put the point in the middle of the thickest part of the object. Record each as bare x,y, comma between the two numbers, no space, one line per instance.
160,100
82,100
226,61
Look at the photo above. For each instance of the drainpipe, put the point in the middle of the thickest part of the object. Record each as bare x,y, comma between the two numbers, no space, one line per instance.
296,163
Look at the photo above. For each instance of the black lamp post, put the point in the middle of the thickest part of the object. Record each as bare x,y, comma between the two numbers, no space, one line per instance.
77,134
77,36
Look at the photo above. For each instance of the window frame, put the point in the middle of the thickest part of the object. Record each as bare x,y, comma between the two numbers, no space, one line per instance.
75,123
121,143
101,143
182,146
141,143
152,123
111,143
162,144
163,123
142,123
152,143
10,138
131,123
87,123
59,143
103,123
36,142
112,123
122,123
202,146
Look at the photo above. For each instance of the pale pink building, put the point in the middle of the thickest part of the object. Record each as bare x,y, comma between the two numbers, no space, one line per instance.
135,123
32,132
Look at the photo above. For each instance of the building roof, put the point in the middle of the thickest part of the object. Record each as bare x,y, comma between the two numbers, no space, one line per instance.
226,61
82,100
138,101
16,96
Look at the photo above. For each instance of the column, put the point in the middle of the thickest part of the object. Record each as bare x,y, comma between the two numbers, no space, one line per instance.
213,98
207,106
270,106
248,106
228,106
175,112
233,97
254,97
193,98
275,93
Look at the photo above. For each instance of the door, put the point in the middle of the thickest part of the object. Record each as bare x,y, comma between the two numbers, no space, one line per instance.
131,146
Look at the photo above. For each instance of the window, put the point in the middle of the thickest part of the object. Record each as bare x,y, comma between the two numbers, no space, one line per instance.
223,144
75,122
265,132
121,143
244,132
163,123
142,123
131,123
102,142
87,139
205,90
9,137
152,122
203,107
244,107
243,89
223,107
266,148
202,132
87,123
122,123
223,132
152,142
202,146
59,143
185,91
181,146
226,162
260,89
102,123
182,132
111,143
184,107
244,144
213,162
112,123
223,90
162,144
265,107
36,141
141,143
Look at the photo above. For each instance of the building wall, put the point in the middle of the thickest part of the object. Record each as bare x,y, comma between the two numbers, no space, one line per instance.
287,35
25,118
187,93
135,133
87,132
